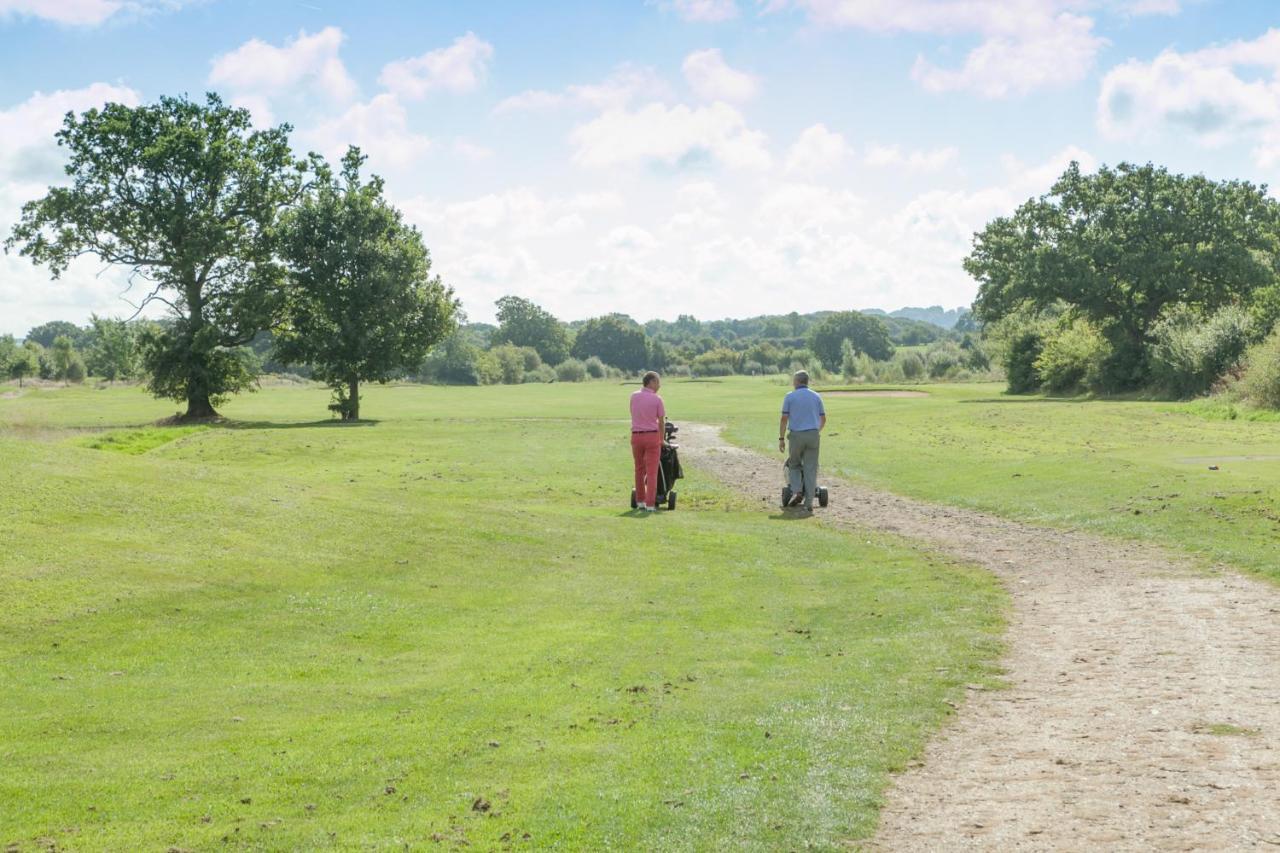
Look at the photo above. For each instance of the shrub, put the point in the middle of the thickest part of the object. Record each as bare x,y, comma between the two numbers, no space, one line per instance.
488,369
571,370
1071,358
1190,353
678,370
1261,382
596,368
543,373
75,371
1022,353
912,365
942,358
515,362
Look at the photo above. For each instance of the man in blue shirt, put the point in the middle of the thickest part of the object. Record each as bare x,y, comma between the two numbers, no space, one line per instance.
803,412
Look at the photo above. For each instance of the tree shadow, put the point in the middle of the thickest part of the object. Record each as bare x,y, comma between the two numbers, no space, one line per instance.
325,424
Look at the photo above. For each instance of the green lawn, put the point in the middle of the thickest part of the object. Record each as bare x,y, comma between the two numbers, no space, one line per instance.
287,633
1160,472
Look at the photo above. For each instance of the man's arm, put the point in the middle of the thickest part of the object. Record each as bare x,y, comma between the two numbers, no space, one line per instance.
782,431
822,421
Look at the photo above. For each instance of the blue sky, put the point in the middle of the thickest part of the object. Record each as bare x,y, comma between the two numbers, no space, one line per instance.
715,157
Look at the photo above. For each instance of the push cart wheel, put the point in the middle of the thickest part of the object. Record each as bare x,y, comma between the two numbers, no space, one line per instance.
671,500
786,496
822,496
634,505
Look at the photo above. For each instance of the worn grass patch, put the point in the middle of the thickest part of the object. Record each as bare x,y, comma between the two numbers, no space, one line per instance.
135,442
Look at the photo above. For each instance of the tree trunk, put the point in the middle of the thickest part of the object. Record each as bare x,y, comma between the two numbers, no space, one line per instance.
199,407
353,400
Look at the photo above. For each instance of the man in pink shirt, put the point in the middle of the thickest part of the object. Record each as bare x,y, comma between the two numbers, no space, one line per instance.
648,420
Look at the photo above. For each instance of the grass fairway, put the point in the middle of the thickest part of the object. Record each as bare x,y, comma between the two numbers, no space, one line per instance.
442,625
1168,473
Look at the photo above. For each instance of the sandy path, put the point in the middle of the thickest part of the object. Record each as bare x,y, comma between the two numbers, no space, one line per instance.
1143,708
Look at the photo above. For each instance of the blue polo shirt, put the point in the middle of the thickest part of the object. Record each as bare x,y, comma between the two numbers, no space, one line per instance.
803,408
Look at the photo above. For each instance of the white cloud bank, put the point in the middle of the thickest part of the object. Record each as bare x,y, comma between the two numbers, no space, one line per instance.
459,68
676,136
712,79
1215,96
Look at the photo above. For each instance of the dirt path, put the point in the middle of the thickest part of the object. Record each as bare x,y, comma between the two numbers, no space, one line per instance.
1144,702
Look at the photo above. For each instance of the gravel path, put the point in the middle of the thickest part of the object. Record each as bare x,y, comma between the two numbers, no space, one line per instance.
1143,708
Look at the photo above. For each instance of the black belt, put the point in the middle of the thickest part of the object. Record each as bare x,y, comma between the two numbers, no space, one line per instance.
642,431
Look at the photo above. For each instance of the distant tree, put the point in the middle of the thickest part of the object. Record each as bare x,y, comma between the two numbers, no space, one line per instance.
112,349
362,303
63,353
525,324
186,197
8,352
46,333
613,340
24,362
1121,245
867,334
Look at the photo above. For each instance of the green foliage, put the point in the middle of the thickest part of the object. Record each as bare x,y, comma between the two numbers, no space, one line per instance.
942,358
1190,353
615,340
1261,382
571,370
596,368
63,354
112,350
23,362
514,362
76,371
543,373
911,364
1121,245
46,333
524,324
720,361
362,304
184,195
1071,357
867,334
849,361
176,362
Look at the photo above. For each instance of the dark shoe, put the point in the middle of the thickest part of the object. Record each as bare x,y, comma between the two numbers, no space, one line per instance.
795,501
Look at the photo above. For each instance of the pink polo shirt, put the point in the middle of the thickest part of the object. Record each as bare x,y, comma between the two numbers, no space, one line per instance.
646,408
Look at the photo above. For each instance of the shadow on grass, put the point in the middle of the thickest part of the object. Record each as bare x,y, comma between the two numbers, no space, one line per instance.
325,424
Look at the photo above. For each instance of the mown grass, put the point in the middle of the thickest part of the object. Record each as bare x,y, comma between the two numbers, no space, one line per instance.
290,634
1144,470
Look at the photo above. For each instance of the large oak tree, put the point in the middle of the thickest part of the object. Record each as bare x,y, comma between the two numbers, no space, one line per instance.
1120,246
186,196
362,303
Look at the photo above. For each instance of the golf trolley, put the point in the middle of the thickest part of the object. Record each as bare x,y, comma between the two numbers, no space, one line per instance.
669,470
819,492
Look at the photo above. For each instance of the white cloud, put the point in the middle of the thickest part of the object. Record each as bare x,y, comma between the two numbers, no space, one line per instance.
30,160
629,239
1215,96
704,11
460,67
926,160
468,150
712,79
380,127
28,151
817,150
83,13
624,85
257,71
1027,44
676,137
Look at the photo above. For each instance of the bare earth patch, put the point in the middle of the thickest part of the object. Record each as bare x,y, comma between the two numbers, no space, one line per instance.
873,393
1129,670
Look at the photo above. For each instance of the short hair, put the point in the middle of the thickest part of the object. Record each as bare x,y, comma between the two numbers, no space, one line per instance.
649,377
801,376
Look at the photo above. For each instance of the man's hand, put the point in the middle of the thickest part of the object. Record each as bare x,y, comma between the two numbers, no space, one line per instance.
782,444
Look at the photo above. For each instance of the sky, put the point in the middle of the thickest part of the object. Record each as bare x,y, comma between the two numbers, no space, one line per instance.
723,158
